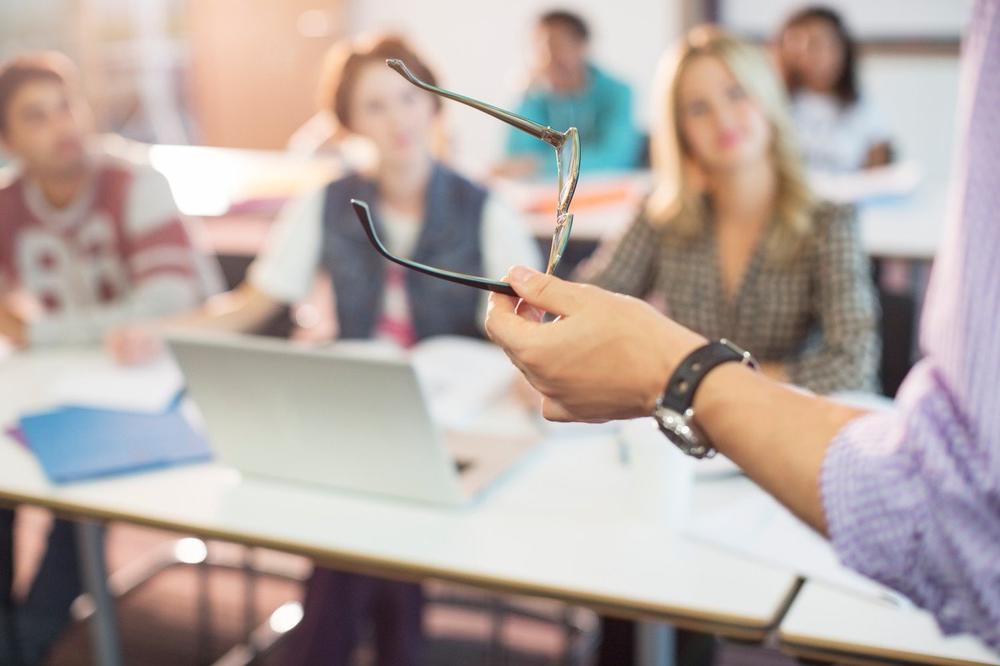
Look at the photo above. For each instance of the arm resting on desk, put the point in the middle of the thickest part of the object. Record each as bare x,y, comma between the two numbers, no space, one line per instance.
243,309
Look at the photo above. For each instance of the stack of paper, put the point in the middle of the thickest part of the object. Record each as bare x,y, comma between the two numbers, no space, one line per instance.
146,388
461,378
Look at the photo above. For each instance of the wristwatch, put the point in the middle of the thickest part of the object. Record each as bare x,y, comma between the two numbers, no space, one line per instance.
674,413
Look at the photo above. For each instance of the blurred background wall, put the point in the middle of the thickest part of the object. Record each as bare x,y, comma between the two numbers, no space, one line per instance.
483,49
243,72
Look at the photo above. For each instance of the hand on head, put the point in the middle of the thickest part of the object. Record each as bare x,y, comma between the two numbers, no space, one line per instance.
607,356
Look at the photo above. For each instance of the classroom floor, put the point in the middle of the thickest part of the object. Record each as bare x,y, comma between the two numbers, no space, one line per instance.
159,620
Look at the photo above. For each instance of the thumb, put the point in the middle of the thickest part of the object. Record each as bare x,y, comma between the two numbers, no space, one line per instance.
544,291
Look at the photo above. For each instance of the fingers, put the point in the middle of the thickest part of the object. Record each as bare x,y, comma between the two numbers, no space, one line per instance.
504,325
546,292
554,411
528,311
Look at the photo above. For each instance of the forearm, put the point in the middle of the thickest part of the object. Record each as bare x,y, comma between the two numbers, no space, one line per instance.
739,410
610,357
775,370
153,299
245,309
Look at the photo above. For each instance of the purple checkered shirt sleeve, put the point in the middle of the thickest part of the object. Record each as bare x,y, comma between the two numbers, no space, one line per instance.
912,497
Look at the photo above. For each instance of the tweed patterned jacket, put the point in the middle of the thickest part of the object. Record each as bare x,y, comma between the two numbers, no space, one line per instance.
816,313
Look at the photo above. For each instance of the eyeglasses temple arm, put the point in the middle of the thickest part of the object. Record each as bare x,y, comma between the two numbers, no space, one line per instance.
546,134
363,211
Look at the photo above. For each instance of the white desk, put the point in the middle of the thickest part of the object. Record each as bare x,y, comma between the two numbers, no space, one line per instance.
898,226
209,182
910,228
829,624
569,525
244,188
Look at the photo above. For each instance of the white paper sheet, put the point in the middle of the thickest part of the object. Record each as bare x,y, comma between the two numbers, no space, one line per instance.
146,388
461,378
895,180
762,529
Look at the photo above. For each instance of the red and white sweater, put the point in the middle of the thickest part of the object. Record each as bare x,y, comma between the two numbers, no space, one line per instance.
119,253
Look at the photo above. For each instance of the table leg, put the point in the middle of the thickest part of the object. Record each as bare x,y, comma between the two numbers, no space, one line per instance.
10,648
104,622
204,613
655,645
920,275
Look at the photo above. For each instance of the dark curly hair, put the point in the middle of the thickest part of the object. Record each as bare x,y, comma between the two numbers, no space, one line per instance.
846,87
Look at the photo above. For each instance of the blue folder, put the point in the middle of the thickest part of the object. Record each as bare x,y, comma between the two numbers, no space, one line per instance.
75,443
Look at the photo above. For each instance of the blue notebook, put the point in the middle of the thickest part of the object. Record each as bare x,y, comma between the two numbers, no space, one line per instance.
75,443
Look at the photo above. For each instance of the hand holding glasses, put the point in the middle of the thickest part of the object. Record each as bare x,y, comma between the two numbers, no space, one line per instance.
567,147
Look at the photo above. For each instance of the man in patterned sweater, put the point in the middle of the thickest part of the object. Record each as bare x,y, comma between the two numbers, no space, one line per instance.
94,241
89,242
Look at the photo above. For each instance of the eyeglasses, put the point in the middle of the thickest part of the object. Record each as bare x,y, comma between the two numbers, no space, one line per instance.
567,147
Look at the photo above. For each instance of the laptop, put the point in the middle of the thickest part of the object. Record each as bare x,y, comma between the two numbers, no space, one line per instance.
347,419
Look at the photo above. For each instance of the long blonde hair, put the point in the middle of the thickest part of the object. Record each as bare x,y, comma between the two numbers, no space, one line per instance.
676,200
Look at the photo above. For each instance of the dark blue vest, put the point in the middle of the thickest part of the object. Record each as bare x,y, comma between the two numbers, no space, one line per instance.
450,238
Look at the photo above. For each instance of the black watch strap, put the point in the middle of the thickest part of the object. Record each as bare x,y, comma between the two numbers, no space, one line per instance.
679,394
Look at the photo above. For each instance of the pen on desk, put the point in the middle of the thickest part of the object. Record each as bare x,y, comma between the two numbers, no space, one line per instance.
624,454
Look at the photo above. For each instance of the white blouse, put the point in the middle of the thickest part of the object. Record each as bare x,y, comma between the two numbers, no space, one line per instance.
833,137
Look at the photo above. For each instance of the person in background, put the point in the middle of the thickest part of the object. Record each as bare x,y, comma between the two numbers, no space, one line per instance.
87,242
839,129
91,240
567,90
910,496
322,135
427,212
730,242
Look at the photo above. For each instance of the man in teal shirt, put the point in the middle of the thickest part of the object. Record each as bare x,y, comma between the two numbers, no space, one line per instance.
569,91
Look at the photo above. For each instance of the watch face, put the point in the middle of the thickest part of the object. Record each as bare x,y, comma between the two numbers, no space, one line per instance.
675,439
682,431
674,426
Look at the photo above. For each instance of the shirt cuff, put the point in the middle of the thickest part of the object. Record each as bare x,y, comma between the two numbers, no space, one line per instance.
875,500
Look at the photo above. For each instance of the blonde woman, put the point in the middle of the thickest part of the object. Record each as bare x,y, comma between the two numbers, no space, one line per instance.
730,241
